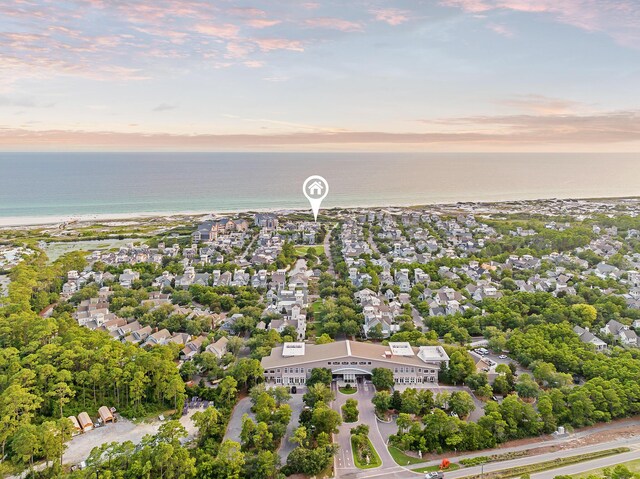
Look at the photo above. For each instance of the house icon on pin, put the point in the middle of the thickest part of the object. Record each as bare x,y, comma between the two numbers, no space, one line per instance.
315,188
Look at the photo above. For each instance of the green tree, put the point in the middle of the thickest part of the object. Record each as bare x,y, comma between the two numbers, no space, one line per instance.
26,444
319,393
382,378
461,403
381,401
350,410
324,339
324,419
319,375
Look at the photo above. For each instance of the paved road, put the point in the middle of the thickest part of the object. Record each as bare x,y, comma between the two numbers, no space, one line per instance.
344,460
590,465
235,423
249,246
406,473
417,319
379,433
327,250
286,446
372,243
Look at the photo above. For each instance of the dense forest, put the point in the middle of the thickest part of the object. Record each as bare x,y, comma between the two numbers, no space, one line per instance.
51,368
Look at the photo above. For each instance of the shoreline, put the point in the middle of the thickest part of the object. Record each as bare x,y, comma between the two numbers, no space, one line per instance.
51,220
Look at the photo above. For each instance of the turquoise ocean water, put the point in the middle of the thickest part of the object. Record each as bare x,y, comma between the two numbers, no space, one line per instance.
43,184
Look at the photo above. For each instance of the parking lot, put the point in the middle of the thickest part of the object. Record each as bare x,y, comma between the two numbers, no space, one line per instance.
496,359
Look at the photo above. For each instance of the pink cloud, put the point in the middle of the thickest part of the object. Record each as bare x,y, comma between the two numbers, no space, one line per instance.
262,22
238,50
542,105
253,64
474,6
269,44
333,24
392,16
227,30
607,128
500,29
620,19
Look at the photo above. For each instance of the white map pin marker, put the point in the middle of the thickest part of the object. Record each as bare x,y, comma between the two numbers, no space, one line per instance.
316,189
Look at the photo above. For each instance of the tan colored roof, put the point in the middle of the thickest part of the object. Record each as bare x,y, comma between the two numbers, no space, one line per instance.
105,413
84,420
75,423
342,349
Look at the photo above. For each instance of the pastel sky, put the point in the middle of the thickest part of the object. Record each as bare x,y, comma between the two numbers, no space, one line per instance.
365,75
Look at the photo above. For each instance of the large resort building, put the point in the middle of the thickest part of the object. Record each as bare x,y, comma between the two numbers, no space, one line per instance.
350,361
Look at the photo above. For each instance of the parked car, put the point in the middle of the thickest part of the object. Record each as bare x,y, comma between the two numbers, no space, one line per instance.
434,475
294,390
503,356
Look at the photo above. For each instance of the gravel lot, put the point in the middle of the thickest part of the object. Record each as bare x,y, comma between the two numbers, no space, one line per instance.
80,446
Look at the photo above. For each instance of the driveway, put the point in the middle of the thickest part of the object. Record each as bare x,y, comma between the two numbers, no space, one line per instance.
234,427
344,460
286,446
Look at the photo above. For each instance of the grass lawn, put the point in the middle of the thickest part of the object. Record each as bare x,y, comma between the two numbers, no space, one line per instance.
402,459
301,250
350,390
633,466
452,467
374,460
316,306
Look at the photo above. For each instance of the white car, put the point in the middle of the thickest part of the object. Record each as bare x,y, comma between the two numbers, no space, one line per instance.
433,475
503,356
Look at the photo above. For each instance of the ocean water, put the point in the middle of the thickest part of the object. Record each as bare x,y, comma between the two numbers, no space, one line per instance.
53,184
